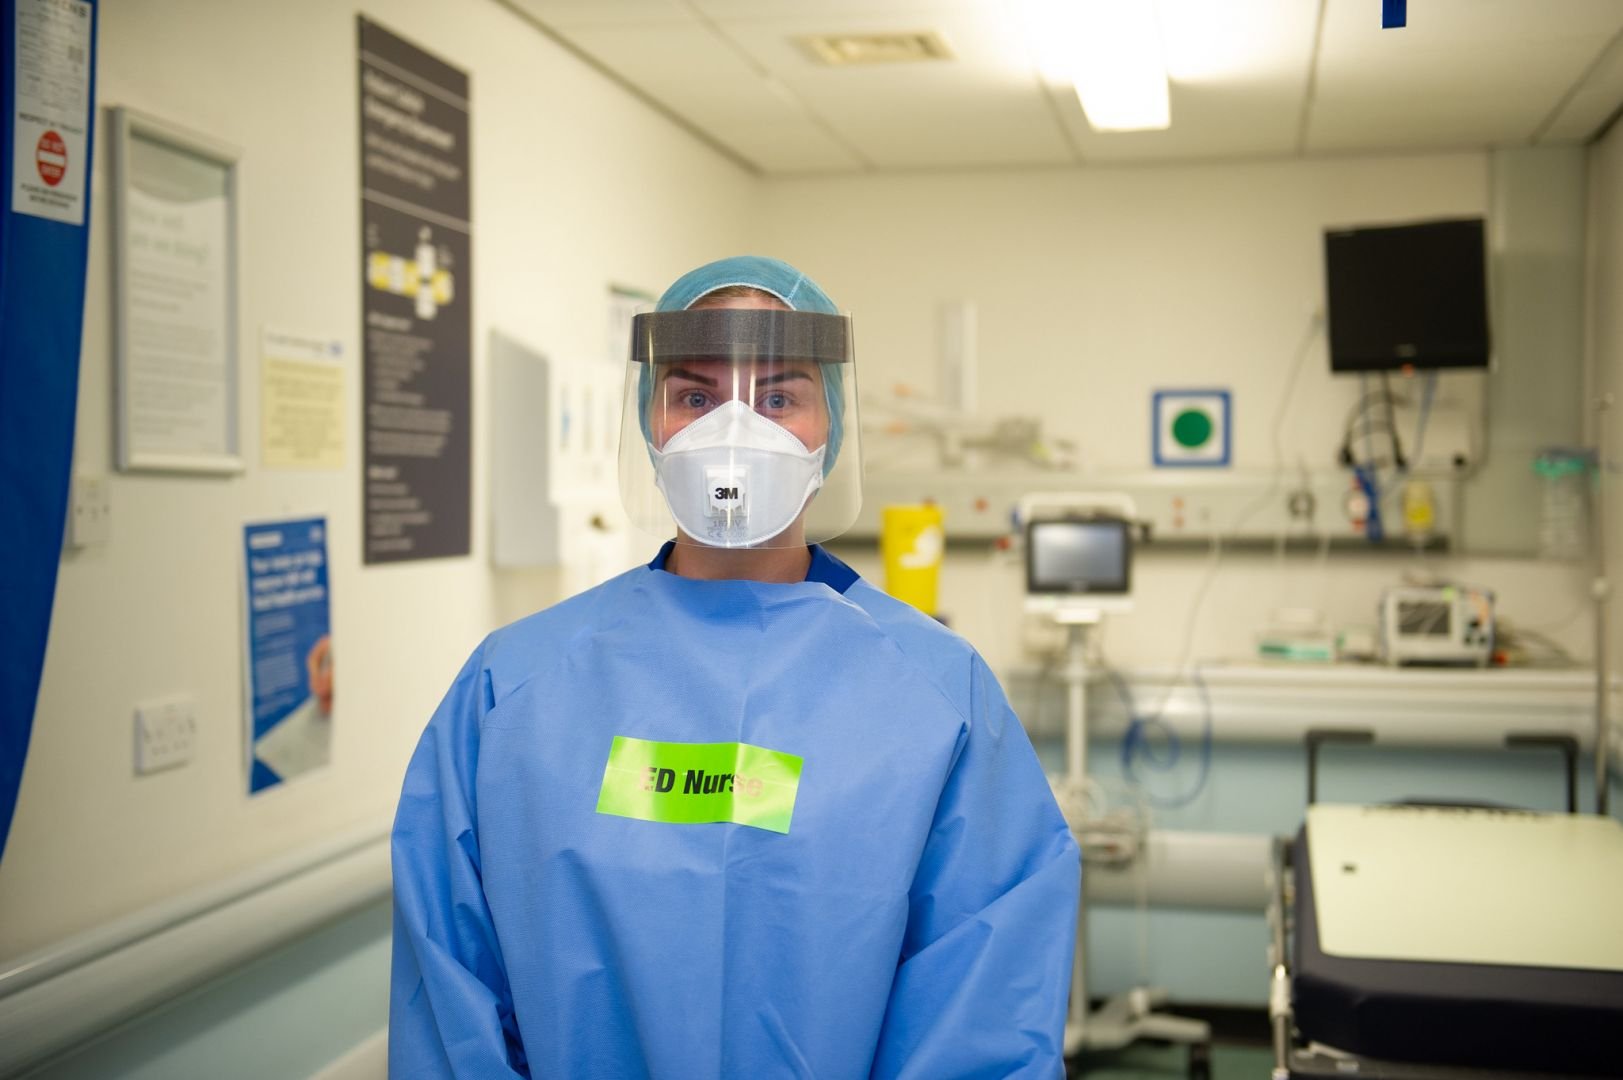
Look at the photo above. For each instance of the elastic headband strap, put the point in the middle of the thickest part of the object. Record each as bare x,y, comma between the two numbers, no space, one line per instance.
743,333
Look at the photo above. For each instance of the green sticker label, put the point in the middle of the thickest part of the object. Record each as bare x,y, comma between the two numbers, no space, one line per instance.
1192,428
698,783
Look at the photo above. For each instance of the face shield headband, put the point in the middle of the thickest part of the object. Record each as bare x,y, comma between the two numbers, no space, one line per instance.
745,335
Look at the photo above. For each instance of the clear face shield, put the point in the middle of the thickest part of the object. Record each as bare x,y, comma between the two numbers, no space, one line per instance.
740,427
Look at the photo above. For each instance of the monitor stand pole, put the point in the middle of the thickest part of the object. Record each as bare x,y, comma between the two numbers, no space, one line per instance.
1128,1017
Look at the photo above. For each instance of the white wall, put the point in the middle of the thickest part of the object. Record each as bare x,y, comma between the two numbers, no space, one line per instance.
1606,344
1095,286
575,185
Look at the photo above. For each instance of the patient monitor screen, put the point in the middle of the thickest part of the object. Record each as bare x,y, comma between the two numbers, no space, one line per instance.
1424,618
1078,557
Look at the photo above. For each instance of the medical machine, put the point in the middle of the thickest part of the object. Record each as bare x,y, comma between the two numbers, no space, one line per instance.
1437,624
1079,557
1079,567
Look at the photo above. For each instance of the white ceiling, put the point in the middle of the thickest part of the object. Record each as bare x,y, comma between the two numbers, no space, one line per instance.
1249,78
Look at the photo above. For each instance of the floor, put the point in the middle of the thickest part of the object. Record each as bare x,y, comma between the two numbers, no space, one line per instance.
1158,1062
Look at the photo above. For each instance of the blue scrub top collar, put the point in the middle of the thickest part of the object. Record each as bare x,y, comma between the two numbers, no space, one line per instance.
825,569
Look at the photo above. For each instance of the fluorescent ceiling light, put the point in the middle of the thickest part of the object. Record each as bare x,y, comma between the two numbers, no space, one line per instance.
1111,51
1120,75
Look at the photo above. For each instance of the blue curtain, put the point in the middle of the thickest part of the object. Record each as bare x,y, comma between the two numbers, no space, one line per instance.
42,293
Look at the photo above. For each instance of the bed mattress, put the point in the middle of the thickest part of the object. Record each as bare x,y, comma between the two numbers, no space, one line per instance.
1461,936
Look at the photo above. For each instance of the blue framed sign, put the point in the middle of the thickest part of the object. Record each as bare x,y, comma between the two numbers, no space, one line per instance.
1191,429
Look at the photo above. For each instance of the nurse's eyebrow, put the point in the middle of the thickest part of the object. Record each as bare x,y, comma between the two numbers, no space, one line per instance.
705,380
691,376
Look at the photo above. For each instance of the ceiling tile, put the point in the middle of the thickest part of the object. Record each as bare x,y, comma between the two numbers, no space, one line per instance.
1462,73
838,9
988,50
1593,101
734,103
566,14
982,107
1250,42
1212,122
792,148
1501,26
688,70
1237,71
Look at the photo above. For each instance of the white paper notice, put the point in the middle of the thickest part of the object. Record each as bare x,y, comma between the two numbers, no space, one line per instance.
180,390
301,398
52,110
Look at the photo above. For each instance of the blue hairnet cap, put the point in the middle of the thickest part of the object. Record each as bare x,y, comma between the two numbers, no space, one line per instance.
769,275
752,271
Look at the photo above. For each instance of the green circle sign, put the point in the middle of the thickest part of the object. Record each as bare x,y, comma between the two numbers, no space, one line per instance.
1192,428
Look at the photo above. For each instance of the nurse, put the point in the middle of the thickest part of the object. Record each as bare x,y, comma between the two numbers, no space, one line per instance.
736,812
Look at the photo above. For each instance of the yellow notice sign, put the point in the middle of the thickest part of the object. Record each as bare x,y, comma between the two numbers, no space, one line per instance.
301,401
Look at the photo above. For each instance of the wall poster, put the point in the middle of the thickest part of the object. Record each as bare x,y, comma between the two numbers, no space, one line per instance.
288,639
175,273
301,400
415,289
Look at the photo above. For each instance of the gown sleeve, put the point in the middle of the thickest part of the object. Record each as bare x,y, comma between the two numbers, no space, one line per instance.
982,986
450,1010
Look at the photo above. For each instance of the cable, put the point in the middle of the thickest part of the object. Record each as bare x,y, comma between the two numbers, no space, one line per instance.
1392,423
1192,619
1363,394
1313,324
1514,640
1583,608
1426,394
1362,423
1369,484
1138,726
1136,742
1322,569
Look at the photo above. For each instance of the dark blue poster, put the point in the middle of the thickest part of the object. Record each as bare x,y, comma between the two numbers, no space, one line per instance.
290,658
416,294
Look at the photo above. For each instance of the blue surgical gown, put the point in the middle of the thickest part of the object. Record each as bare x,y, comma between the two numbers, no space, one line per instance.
917,919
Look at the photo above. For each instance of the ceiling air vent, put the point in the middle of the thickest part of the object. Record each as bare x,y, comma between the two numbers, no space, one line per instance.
847,50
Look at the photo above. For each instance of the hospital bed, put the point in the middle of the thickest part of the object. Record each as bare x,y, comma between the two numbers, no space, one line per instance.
1444,942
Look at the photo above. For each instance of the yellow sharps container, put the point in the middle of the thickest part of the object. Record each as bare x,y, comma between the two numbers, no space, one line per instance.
911,541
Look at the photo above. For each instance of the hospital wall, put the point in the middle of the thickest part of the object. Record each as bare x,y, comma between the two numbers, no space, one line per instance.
575,185
1095,287
1606,346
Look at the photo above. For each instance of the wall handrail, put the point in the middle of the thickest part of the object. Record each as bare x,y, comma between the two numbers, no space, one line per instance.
56,997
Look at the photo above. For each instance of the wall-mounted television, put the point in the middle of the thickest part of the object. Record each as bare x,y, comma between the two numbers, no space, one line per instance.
1407,296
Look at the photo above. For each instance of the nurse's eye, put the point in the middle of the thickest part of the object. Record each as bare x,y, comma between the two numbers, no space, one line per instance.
775,401
693,399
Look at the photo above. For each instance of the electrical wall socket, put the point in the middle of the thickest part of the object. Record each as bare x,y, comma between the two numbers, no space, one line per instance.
89,511
164,733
